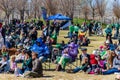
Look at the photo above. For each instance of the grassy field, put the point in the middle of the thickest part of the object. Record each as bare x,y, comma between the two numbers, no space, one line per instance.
53,75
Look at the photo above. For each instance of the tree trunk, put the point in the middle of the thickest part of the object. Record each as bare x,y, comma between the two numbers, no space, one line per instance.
22,15
93,13
71,16
35,14
7,16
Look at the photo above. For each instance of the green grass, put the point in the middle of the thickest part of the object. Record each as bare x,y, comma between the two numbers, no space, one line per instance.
53,75
80,21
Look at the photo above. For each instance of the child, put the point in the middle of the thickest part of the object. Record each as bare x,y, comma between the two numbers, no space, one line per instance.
13,64
86,66
4,65
20,57
4,52
93,61
100,66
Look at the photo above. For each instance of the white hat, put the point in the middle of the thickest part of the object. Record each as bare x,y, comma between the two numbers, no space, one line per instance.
107,42
95,52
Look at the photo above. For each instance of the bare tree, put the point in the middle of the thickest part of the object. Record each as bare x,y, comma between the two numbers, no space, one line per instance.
93,7
116,9
85,8
67,7
51,6
101,7
36,8
7,6
21,7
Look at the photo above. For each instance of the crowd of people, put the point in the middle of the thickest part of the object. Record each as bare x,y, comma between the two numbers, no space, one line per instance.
33,50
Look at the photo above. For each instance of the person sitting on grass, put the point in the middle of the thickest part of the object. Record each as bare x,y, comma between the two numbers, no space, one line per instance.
116,66
4,52
13,64
20,57
37,70
27,63
86,66
84,54
4,65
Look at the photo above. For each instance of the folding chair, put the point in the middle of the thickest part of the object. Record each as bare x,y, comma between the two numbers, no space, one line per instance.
47,64
73,63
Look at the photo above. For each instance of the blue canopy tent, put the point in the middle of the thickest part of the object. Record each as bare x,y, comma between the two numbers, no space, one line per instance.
61,17
58,17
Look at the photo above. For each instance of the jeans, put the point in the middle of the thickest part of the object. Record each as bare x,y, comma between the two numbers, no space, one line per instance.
70,34
111,71
76,70
22,71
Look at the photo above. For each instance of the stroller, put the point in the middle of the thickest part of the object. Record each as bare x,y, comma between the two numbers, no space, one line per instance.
99,31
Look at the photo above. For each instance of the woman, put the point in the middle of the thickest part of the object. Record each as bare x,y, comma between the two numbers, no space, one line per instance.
68,54
116,66
27,63
111,56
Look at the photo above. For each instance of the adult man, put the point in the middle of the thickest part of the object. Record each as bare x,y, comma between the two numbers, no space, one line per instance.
84,54
90,27
37,70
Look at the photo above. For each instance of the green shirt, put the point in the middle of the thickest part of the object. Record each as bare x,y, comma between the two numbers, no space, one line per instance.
4,53
27,63
71,28
54,36
117,26
76,28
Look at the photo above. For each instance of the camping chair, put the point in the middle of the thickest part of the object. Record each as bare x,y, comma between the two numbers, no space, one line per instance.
46,63
72,64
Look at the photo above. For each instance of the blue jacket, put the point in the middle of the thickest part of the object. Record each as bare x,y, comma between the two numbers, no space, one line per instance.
42,50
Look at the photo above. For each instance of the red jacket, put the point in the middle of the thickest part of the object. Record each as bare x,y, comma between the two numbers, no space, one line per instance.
92,59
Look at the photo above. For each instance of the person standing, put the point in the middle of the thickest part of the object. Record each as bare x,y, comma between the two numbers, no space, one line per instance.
71,30
108,32
2,36
117,26
76,29
90,27
57,28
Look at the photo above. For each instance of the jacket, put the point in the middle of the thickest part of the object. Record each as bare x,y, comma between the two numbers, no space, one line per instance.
42,50
37,66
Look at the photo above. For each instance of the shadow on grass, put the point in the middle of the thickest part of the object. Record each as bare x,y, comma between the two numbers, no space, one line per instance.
45,76
49,69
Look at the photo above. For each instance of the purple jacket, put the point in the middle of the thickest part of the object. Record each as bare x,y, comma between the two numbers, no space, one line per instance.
72,51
